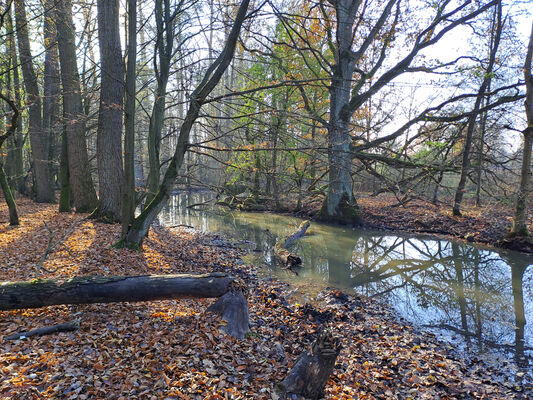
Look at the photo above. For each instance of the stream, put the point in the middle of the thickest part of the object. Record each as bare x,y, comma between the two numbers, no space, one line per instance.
476,298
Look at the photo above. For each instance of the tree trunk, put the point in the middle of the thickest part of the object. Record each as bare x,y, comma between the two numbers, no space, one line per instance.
128,192
310,373
520,227
164,48
8,196
520,218
79,170
38,139
339,205
98,289
141,224
471,123
51,87
15,158
109,135
64,177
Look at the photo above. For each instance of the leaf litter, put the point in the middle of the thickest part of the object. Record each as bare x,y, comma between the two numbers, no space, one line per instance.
174,350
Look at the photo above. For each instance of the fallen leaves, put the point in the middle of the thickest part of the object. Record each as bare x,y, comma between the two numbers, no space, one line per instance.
173,350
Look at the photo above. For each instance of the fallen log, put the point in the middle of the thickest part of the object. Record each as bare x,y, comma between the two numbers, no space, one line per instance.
110,289
310,373
287,258
47,330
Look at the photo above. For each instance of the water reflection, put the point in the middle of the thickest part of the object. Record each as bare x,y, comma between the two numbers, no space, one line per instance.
481,295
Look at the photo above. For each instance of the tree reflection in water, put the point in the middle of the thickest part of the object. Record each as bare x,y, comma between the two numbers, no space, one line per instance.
481,295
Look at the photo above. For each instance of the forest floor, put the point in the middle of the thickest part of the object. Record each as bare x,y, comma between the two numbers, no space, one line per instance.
488,224
173,350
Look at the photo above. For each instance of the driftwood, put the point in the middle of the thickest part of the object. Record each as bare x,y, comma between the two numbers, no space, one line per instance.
310,374
233,308
67,327
287,258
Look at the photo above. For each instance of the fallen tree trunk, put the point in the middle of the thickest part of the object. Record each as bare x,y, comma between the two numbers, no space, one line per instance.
47,330
111,289
287,258
310,373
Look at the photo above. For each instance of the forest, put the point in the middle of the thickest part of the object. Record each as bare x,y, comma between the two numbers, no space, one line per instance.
391,116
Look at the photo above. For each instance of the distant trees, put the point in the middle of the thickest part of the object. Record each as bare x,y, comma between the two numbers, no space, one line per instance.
318,102
40,141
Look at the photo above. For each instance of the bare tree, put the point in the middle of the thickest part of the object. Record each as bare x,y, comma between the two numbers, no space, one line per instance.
519,227
39,139
74,147
141,224
471,123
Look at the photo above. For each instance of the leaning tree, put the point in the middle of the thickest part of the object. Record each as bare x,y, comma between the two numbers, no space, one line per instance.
138,229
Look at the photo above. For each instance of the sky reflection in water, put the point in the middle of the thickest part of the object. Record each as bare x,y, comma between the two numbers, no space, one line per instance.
484,297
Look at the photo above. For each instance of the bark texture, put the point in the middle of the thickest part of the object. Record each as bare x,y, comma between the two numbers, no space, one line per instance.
233,308
39,139
310,373
79,170
128,192
109,135
520,227
94,289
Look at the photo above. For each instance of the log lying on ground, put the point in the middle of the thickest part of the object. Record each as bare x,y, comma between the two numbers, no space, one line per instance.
310,374
287,258
232,305
110,289
47,330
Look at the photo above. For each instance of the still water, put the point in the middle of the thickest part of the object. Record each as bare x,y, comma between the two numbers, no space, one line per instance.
477,297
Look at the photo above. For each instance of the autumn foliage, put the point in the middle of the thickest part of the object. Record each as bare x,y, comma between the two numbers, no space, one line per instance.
173,350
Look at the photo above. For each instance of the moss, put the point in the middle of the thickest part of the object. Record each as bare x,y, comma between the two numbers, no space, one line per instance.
100,216
124,244
347,213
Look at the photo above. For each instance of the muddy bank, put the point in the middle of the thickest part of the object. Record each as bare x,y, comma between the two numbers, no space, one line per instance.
172,350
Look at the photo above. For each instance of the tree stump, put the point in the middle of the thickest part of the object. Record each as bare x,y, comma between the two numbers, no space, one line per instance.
233,308
310,373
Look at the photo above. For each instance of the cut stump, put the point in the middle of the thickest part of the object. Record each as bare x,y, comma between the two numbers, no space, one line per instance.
311,371
233,309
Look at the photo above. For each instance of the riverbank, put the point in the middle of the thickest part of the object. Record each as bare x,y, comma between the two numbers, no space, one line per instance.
172,350
488,224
